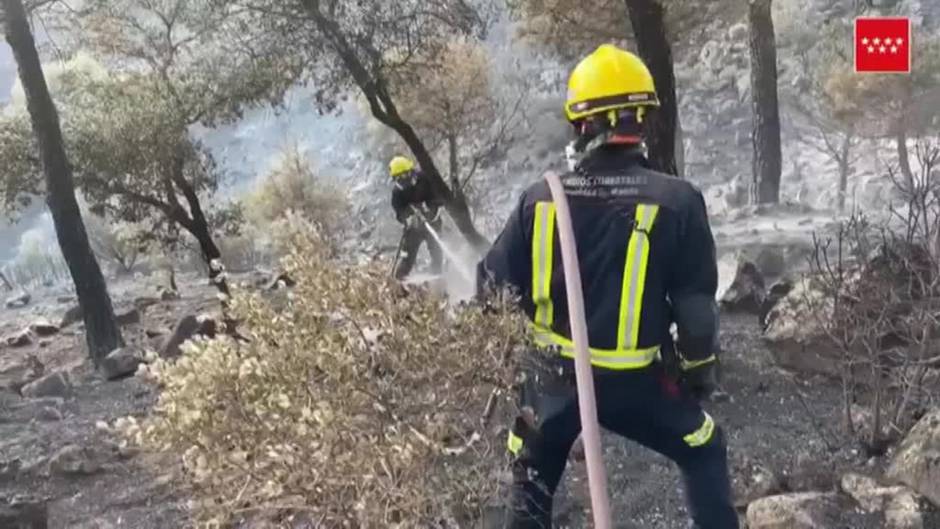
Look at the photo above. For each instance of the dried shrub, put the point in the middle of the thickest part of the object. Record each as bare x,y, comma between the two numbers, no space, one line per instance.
876,296
359,404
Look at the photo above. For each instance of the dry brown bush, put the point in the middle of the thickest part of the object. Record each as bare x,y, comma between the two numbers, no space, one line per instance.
359,404
293,186
876,295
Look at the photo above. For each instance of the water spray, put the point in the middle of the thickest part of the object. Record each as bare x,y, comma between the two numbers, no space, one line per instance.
465,274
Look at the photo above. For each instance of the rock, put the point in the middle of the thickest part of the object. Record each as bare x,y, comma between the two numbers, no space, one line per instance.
917,460
737,32
49,414
777,291
771,262
29,514
188,327
72,315
144,302
21,299
43,328
904,512
151,333
804,510
746,293
167,294
72,460
20,339
794,333
128,317
867,492
755,482
120,363
52,385
900,505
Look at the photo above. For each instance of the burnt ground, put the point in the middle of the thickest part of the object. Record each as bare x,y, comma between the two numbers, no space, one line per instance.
792,442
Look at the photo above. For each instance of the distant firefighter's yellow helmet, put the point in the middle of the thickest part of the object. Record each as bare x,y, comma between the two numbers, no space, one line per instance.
400,166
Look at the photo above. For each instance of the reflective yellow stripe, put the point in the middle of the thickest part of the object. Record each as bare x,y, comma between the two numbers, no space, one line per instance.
626,355
606,358
703,434
692,364
634,277
514,443
543,247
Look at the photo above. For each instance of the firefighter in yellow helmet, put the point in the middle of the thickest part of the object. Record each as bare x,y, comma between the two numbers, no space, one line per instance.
647,257
417,209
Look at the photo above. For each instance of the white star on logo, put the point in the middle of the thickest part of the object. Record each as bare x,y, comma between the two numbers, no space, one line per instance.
888,41
894,49
899,42
864,41
871,49
881,49
877,41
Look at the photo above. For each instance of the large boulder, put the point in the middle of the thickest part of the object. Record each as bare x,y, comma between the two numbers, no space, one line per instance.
188,327
746,293
794,331
917,460
804,510
52,385
120,363
899,505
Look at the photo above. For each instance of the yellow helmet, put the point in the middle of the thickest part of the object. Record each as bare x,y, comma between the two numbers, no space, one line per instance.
400,166
609,79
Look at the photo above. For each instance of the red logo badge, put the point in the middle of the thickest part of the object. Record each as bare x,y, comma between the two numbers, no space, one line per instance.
883,44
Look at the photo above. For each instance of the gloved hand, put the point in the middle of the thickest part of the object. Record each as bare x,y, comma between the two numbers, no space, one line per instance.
413,222
700,381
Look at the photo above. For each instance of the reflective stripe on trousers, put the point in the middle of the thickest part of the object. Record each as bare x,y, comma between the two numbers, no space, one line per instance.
626,355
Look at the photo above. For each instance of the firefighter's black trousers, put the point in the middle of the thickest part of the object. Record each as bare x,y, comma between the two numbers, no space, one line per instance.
641,405
412,239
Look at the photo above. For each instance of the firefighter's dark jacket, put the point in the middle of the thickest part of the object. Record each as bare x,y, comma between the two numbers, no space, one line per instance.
413,191
681,274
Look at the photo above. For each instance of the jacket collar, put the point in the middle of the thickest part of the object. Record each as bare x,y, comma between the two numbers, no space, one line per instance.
607,157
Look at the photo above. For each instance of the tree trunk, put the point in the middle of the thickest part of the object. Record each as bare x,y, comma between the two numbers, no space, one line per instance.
101,331
904,158
845,167
453,151
198,226
766,112
649,28
6,283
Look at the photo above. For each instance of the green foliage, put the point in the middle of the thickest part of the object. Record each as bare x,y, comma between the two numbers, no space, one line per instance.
358,404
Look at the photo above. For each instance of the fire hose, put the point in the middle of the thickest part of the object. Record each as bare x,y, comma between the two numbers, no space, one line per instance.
587,406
